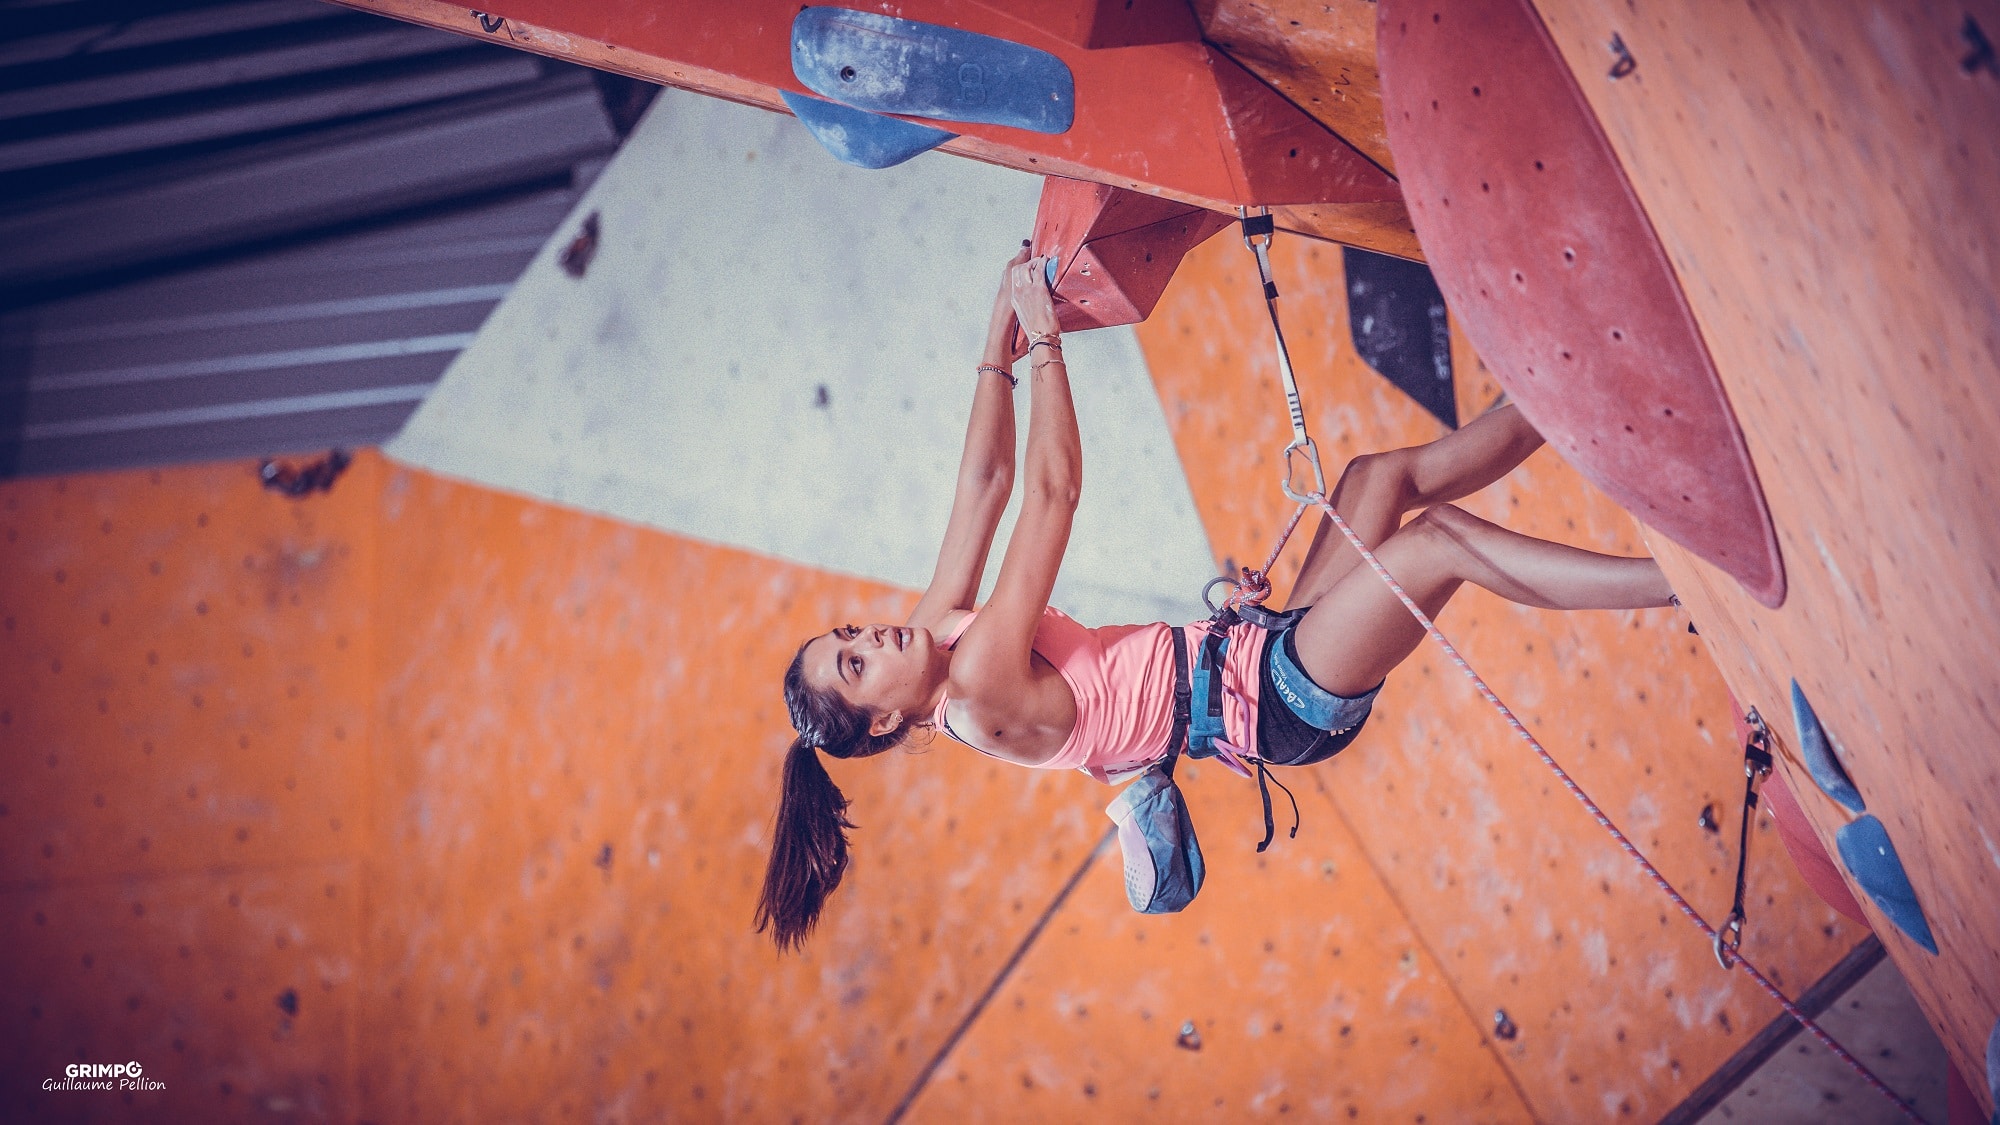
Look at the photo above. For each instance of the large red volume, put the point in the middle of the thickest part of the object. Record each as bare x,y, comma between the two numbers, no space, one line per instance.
1547,258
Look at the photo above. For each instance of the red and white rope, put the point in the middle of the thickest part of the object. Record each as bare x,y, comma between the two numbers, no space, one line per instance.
1591,806
1255,587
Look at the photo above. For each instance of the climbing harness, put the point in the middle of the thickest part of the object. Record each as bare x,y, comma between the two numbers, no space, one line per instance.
1253,587
1250,587
1206,736
1756,767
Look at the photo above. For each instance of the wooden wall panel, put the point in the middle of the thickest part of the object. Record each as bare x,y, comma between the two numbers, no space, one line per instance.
1821,177
186,678
1311,996
580,744
1320,55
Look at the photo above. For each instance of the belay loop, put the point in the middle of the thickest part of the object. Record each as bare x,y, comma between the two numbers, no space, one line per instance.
1756,767
1244,600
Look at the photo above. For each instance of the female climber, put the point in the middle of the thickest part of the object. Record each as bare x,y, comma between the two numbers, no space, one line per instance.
1019,680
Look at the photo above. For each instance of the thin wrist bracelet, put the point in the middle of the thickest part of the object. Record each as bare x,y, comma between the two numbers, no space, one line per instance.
1052,339
1000,371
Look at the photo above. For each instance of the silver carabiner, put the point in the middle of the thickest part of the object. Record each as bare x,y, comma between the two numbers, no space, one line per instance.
1247,591
1218,580
1319,474
1727,941
1250,240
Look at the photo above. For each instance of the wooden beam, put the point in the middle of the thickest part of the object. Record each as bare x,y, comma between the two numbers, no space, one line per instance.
1231,140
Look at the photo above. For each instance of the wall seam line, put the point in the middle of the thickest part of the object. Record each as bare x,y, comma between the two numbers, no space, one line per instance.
978,1008
1423,943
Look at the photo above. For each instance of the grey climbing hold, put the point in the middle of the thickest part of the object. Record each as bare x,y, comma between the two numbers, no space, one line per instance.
1993,1069
858,137
1866,849
888,65
1821,762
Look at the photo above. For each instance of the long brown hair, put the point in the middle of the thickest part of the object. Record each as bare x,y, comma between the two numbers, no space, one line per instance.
809,841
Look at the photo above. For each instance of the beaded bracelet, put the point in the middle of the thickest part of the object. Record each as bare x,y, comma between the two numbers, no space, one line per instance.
1000,371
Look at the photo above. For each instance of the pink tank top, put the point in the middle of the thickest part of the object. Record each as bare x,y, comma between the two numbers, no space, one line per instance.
1123,679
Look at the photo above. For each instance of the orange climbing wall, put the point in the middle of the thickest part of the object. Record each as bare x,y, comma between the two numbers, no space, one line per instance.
370,750
559,684
1824,188
186,701
1509,885
484,785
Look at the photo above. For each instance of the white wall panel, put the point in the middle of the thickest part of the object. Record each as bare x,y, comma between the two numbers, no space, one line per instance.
741,270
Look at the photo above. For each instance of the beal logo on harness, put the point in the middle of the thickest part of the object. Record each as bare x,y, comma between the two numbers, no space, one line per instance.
1298,702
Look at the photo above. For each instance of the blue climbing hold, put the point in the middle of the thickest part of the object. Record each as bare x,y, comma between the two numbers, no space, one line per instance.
1993,1069
1866,850
858,137
889,65
1821,762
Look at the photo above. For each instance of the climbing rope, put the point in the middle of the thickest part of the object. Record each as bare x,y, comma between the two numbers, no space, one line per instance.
1256,588
1590,806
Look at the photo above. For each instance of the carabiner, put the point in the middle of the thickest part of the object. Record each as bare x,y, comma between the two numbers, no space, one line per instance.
1251,589
1728,939
1319,474
1255,227
1220,579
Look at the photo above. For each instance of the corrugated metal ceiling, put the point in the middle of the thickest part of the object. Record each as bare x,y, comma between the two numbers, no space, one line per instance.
238,229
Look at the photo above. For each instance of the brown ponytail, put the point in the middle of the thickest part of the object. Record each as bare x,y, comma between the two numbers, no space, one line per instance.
809,841
808,849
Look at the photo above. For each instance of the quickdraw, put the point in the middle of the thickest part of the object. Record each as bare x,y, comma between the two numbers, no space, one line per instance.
1756,767
1254,587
